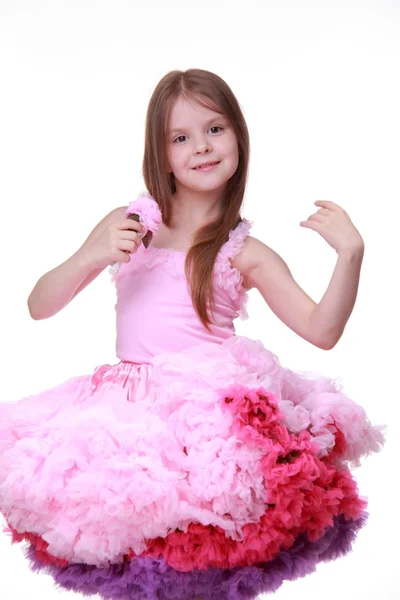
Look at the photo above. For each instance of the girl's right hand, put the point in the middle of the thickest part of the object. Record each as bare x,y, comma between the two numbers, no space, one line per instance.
115,242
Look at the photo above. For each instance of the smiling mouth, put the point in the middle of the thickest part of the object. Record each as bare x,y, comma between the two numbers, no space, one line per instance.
206,165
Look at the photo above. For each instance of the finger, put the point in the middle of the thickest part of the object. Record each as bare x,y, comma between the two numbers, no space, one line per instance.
136,217
129,245
130,224
311,225
128,234
316,217
124,257
326,204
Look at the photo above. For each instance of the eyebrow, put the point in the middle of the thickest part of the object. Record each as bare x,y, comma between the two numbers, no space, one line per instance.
207,123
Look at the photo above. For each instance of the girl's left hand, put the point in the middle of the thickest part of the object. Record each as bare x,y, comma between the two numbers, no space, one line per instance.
333,223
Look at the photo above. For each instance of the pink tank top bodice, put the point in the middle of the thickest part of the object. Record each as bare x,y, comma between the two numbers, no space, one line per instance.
154,309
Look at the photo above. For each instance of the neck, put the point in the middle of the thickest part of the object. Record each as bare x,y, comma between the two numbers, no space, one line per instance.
193,209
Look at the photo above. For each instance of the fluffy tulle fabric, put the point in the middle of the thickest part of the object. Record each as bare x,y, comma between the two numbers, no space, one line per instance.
147,209
102,464
149,215
145,578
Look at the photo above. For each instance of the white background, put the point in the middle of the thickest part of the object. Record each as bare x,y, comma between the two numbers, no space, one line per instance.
318,84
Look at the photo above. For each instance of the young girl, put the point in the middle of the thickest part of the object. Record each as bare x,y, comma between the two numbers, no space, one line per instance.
197,466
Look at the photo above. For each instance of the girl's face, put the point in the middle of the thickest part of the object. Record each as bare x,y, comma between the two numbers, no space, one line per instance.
198,135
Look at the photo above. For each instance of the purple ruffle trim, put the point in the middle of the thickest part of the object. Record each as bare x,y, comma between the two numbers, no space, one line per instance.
145,578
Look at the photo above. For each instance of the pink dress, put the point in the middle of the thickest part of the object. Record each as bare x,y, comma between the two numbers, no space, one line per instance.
196,465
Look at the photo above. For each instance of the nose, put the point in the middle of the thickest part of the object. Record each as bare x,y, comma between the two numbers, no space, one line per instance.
203,146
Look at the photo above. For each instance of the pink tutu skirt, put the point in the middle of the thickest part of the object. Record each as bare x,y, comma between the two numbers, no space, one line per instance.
213,472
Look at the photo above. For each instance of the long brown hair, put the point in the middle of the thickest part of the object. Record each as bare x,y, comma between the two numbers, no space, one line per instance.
213,92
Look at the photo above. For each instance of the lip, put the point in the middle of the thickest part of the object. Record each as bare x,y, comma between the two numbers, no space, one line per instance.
210,165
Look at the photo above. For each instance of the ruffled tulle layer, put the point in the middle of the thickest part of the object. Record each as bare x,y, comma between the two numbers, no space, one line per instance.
145,578
303,494
213,458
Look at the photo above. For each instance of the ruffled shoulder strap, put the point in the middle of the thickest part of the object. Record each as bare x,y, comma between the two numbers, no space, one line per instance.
235,243
228,277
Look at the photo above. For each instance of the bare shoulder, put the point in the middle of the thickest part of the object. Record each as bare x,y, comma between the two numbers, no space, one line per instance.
116,214
253,258
113,216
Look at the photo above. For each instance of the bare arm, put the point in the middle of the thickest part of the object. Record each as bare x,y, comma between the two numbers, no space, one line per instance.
55,289
320,324
333,311
262,268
